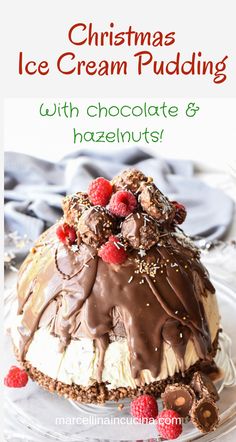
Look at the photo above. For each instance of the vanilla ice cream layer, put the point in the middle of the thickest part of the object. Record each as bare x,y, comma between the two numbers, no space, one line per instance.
78,363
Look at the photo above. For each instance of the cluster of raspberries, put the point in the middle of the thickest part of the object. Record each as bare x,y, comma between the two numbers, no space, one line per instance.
168,422
106,216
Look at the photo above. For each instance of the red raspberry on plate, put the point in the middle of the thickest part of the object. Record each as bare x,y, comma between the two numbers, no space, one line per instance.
180,212
112,251
16,378
122,203
66,234
169,424
144,408
100,191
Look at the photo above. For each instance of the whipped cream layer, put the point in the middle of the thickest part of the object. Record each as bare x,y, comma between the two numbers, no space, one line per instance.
79,362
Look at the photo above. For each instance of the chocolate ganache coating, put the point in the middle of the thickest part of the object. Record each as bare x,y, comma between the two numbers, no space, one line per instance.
155,295
154,306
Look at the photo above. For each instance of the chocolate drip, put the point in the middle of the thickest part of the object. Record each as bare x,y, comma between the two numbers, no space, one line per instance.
76,294
102,344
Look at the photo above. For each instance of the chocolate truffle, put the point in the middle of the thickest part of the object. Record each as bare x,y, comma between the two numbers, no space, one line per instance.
155,203
140,231
178,397
73,206
95,226
203,386
205,415
129,179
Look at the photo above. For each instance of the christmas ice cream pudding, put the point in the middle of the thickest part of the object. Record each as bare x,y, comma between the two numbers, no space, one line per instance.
113,300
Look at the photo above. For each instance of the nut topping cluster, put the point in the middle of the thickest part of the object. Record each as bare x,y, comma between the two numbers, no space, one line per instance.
130,208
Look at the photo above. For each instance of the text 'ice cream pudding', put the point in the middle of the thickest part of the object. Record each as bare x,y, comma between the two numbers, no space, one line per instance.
113,300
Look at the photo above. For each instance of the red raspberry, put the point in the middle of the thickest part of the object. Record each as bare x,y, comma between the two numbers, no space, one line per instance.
169,424
16,378
112,252
180,212
144,408
66,234
122,203
100,191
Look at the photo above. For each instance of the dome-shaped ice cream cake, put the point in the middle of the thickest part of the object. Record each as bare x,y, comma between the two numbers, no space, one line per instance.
113,300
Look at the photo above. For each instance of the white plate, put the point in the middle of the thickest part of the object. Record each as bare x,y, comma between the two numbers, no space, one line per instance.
35,415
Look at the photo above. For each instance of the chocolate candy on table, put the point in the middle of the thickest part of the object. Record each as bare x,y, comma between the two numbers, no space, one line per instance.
203,386
178,397
205,415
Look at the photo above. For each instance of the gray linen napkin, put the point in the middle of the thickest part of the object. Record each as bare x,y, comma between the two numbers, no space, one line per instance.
34,189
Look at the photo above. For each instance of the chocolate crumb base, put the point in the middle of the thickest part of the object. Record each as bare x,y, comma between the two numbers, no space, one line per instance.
98,393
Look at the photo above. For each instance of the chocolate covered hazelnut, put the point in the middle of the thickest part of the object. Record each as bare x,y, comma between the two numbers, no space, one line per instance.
205,415
73,206
129,179
178,397
95,226
203,386
155,204
140,231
